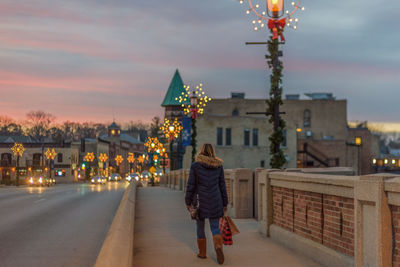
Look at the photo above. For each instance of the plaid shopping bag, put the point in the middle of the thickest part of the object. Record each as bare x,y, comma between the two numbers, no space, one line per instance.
225,231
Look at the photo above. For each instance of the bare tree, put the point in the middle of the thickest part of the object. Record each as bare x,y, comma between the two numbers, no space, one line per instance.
39,123
155,126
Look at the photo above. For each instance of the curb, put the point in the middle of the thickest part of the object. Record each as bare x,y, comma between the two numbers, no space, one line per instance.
117,249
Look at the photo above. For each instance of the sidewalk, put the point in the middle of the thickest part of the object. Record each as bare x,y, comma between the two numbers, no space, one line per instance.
165,236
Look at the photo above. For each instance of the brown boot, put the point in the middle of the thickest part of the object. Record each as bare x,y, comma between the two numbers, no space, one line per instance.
202,244
218,248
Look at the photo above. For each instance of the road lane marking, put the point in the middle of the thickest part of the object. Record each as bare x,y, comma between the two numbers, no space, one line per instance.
40,200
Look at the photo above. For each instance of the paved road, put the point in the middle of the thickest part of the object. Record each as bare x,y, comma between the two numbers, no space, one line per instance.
165,236
64,225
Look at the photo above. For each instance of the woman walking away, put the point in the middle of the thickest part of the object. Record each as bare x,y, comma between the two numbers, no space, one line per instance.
206,189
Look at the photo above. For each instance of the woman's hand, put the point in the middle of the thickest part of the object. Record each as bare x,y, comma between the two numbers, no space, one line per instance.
189,208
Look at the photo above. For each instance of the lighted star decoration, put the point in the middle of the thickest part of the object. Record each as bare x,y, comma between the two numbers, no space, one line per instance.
50,154
103,157
119,159
131,158
18,149
89,157
171,130
141,159
200,98
262,13
152,144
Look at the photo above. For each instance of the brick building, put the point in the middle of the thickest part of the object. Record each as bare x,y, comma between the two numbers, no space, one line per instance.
33,161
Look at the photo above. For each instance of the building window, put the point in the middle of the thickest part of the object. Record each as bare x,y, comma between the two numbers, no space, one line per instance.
228,136
59,157
307,118
36,159
235,112
255,137
247,137
262,164
219,137
284,140
6,159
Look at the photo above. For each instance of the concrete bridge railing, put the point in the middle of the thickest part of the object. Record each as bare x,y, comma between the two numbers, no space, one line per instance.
333,217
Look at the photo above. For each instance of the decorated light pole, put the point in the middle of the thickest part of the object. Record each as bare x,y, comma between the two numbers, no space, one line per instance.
103,160
18,150
131,159
152,144
198,100
50,155
141,161
118,160
89,158
271,15
171,131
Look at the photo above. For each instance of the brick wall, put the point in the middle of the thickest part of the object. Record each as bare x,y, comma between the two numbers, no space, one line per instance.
396,232
322,218
339,224
308,215
283,207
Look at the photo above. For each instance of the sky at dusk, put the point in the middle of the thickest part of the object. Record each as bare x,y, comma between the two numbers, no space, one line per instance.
95,59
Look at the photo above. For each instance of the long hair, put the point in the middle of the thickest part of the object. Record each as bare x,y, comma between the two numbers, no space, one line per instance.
207,150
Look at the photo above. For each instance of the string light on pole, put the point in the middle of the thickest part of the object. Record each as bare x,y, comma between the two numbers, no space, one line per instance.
119,159
271,14
198,101
18,150
89,157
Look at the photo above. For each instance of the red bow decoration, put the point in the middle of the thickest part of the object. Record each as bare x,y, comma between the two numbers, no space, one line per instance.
275,26
194,112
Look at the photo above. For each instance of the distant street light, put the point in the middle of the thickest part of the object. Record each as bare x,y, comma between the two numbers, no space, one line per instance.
131,159
358,143
103,159
271,15
198,101
18,150
50,155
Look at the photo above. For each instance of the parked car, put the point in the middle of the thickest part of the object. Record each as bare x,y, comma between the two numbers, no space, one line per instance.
115,177
132,176
40,180
145,175
98,180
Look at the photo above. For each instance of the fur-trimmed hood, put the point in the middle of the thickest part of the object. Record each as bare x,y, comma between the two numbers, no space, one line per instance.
209,161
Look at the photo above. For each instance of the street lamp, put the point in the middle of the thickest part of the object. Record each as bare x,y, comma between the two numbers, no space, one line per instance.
18,150
89,157
358,143
198,101
118,160
131,159
50,155
103,159
171,132
271,15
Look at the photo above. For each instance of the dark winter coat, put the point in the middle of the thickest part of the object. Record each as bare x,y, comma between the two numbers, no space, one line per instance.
211,187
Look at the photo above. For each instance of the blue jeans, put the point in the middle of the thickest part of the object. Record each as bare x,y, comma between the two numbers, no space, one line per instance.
214,225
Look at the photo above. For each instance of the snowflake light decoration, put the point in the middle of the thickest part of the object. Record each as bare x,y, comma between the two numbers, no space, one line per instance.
171,130
198,101
271,12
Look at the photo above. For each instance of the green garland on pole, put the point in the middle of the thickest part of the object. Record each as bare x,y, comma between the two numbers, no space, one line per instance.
194,142
273,103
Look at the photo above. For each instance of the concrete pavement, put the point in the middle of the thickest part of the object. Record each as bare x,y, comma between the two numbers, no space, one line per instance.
64,225
165,236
